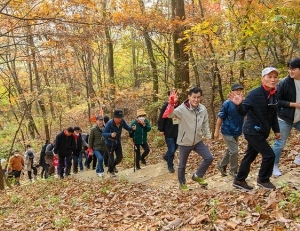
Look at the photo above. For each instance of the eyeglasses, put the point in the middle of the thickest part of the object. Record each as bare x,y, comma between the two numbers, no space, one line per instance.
293,68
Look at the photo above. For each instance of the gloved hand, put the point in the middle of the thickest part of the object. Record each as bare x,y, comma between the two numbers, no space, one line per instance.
90,152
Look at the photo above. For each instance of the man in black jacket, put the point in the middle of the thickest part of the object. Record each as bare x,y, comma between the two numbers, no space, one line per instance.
288,109
64,147
168,127
260,106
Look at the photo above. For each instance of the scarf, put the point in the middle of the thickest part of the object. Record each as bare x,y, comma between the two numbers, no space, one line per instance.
271,92
117,123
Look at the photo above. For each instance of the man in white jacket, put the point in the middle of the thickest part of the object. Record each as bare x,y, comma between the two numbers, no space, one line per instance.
193,125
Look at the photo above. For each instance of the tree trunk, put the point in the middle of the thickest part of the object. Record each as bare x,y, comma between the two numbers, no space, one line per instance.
181,57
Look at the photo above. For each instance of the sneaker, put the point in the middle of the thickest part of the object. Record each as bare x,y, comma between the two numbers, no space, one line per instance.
200,180
171,170
297,160
112,174
183,187
143,161
115,170
233,174
266,185
242,185
276,171
100,174
222,170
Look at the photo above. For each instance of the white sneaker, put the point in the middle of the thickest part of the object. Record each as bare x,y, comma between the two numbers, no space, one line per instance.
297,160
276,171
101,174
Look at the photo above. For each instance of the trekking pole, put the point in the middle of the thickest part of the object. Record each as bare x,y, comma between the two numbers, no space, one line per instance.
134,153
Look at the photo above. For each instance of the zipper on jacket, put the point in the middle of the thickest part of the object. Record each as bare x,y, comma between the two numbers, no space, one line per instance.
182,136
195,128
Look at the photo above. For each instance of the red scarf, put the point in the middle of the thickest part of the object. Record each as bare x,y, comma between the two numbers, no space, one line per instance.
75,136
117,123
271,92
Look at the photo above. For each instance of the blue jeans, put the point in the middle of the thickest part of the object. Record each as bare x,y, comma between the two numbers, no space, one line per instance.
80,158
285,131
99,157
172,146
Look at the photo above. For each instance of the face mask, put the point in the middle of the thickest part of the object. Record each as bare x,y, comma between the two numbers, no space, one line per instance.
16,154
142,118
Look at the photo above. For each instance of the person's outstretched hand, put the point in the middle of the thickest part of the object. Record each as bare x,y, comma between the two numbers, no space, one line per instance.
236,99
173,98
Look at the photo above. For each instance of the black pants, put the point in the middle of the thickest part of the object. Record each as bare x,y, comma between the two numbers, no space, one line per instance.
64,163
112,161
138,156
75,162
34,169
91,159
257,144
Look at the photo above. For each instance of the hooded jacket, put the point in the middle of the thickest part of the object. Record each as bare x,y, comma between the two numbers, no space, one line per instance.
192,124
140,134
286,92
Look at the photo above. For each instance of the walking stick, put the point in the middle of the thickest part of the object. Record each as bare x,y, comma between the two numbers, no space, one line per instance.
134,148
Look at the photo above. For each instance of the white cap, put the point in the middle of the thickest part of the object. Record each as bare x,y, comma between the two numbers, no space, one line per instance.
267,70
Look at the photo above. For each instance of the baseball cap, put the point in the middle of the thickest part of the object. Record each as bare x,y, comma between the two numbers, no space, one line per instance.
236,86
267,70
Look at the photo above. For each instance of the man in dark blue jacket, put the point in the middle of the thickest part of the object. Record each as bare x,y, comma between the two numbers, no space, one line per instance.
231,124
112,134
260,106
288,110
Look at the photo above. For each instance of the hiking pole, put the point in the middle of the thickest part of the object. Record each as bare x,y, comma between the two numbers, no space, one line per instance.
134,148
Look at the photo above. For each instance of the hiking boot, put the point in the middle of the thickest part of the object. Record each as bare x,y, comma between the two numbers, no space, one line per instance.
233,174
115,170
242,185
222,170
183,187
200,180
276,171
143,161
171,170
138,168
266,185
112,174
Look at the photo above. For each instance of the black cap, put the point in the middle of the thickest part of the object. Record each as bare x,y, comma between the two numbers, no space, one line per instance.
99,118
236,86
118,113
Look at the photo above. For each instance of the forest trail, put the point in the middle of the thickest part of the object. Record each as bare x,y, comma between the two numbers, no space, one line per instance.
157,176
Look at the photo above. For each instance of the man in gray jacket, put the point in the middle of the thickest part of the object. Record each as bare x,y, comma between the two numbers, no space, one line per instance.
193,125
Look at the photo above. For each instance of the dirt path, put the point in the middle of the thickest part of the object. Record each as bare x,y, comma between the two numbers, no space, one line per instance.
157,176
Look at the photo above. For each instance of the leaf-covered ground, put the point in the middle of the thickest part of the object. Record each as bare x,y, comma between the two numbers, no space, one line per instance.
118,204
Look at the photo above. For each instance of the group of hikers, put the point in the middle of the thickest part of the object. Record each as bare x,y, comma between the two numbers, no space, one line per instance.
274,105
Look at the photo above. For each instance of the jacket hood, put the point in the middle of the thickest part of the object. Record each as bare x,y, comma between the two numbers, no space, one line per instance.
189,107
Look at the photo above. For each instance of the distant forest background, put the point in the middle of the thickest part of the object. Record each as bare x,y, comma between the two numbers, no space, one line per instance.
60,61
